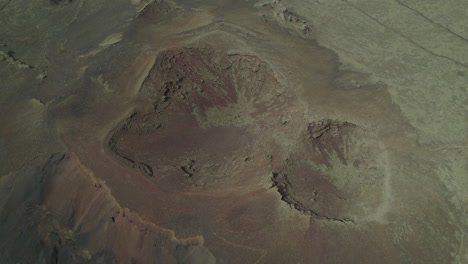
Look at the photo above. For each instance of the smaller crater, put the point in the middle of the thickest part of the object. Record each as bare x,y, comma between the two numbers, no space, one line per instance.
337,173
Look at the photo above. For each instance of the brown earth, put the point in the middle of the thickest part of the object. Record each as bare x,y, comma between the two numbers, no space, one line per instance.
211,131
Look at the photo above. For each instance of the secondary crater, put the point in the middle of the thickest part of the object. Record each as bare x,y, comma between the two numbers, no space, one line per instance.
337,172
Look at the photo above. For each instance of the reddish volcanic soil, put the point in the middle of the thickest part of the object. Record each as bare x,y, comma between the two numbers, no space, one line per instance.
203,120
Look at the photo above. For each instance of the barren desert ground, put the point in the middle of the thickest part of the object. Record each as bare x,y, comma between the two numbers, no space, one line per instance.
234,131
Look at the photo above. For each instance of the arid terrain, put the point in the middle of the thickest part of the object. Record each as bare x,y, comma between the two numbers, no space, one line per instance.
233,131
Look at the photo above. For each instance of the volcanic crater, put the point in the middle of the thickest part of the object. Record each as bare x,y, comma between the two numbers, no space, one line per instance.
338,173
212,120
201,120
